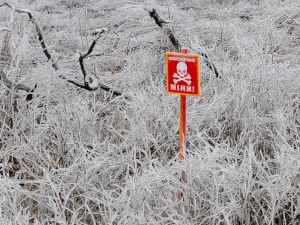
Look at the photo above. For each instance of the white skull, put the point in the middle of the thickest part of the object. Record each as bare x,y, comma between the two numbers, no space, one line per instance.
181,69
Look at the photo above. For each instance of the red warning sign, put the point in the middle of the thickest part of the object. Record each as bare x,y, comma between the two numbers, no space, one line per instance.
183,74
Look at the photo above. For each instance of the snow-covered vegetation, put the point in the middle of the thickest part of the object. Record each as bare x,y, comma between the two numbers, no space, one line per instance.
73,156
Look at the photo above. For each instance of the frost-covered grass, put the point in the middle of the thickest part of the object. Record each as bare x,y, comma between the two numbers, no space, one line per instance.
95,158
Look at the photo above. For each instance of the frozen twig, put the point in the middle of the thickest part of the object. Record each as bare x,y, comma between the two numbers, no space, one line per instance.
163,25
3,77
38,30
5,29
23,87
9,84
90,81
12,18
210,65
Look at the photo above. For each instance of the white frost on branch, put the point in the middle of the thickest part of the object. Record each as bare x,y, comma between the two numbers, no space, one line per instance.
92,81
5,29
100,31
12,18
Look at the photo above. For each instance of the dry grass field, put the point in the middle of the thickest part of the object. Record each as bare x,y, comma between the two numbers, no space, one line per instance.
76,156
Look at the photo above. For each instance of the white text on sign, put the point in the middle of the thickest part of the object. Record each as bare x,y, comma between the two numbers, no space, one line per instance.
181,59
190,89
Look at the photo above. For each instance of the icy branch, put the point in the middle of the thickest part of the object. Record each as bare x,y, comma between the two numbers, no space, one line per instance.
210,65
90,81
3,77
5,29
12,18
163,25
37,28
9,84
23,87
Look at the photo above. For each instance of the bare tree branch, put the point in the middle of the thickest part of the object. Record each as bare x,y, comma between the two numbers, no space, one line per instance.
9,84
5,29
106,88
23,87
38,30
210,65
163,25
90,81
3,77
11,20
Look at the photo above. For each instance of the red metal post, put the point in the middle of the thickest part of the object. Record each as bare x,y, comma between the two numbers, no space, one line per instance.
182,128
182,132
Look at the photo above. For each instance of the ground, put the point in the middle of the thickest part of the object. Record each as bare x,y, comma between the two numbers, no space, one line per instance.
73,156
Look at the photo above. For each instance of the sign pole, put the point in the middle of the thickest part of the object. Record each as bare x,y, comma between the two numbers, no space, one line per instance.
183,78
182,128
182,132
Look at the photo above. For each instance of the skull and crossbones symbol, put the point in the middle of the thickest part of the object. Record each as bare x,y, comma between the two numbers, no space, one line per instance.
182,74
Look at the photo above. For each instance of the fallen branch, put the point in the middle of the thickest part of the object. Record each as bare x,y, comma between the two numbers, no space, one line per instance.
37,28
9,84
210,65
23,87
4,58
90,81
163,25
167,30
5,29
109,89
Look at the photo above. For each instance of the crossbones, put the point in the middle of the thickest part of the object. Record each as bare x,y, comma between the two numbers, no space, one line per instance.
186,79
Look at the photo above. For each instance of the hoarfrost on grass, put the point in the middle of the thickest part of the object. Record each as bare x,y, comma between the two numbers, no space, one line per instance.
93,158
